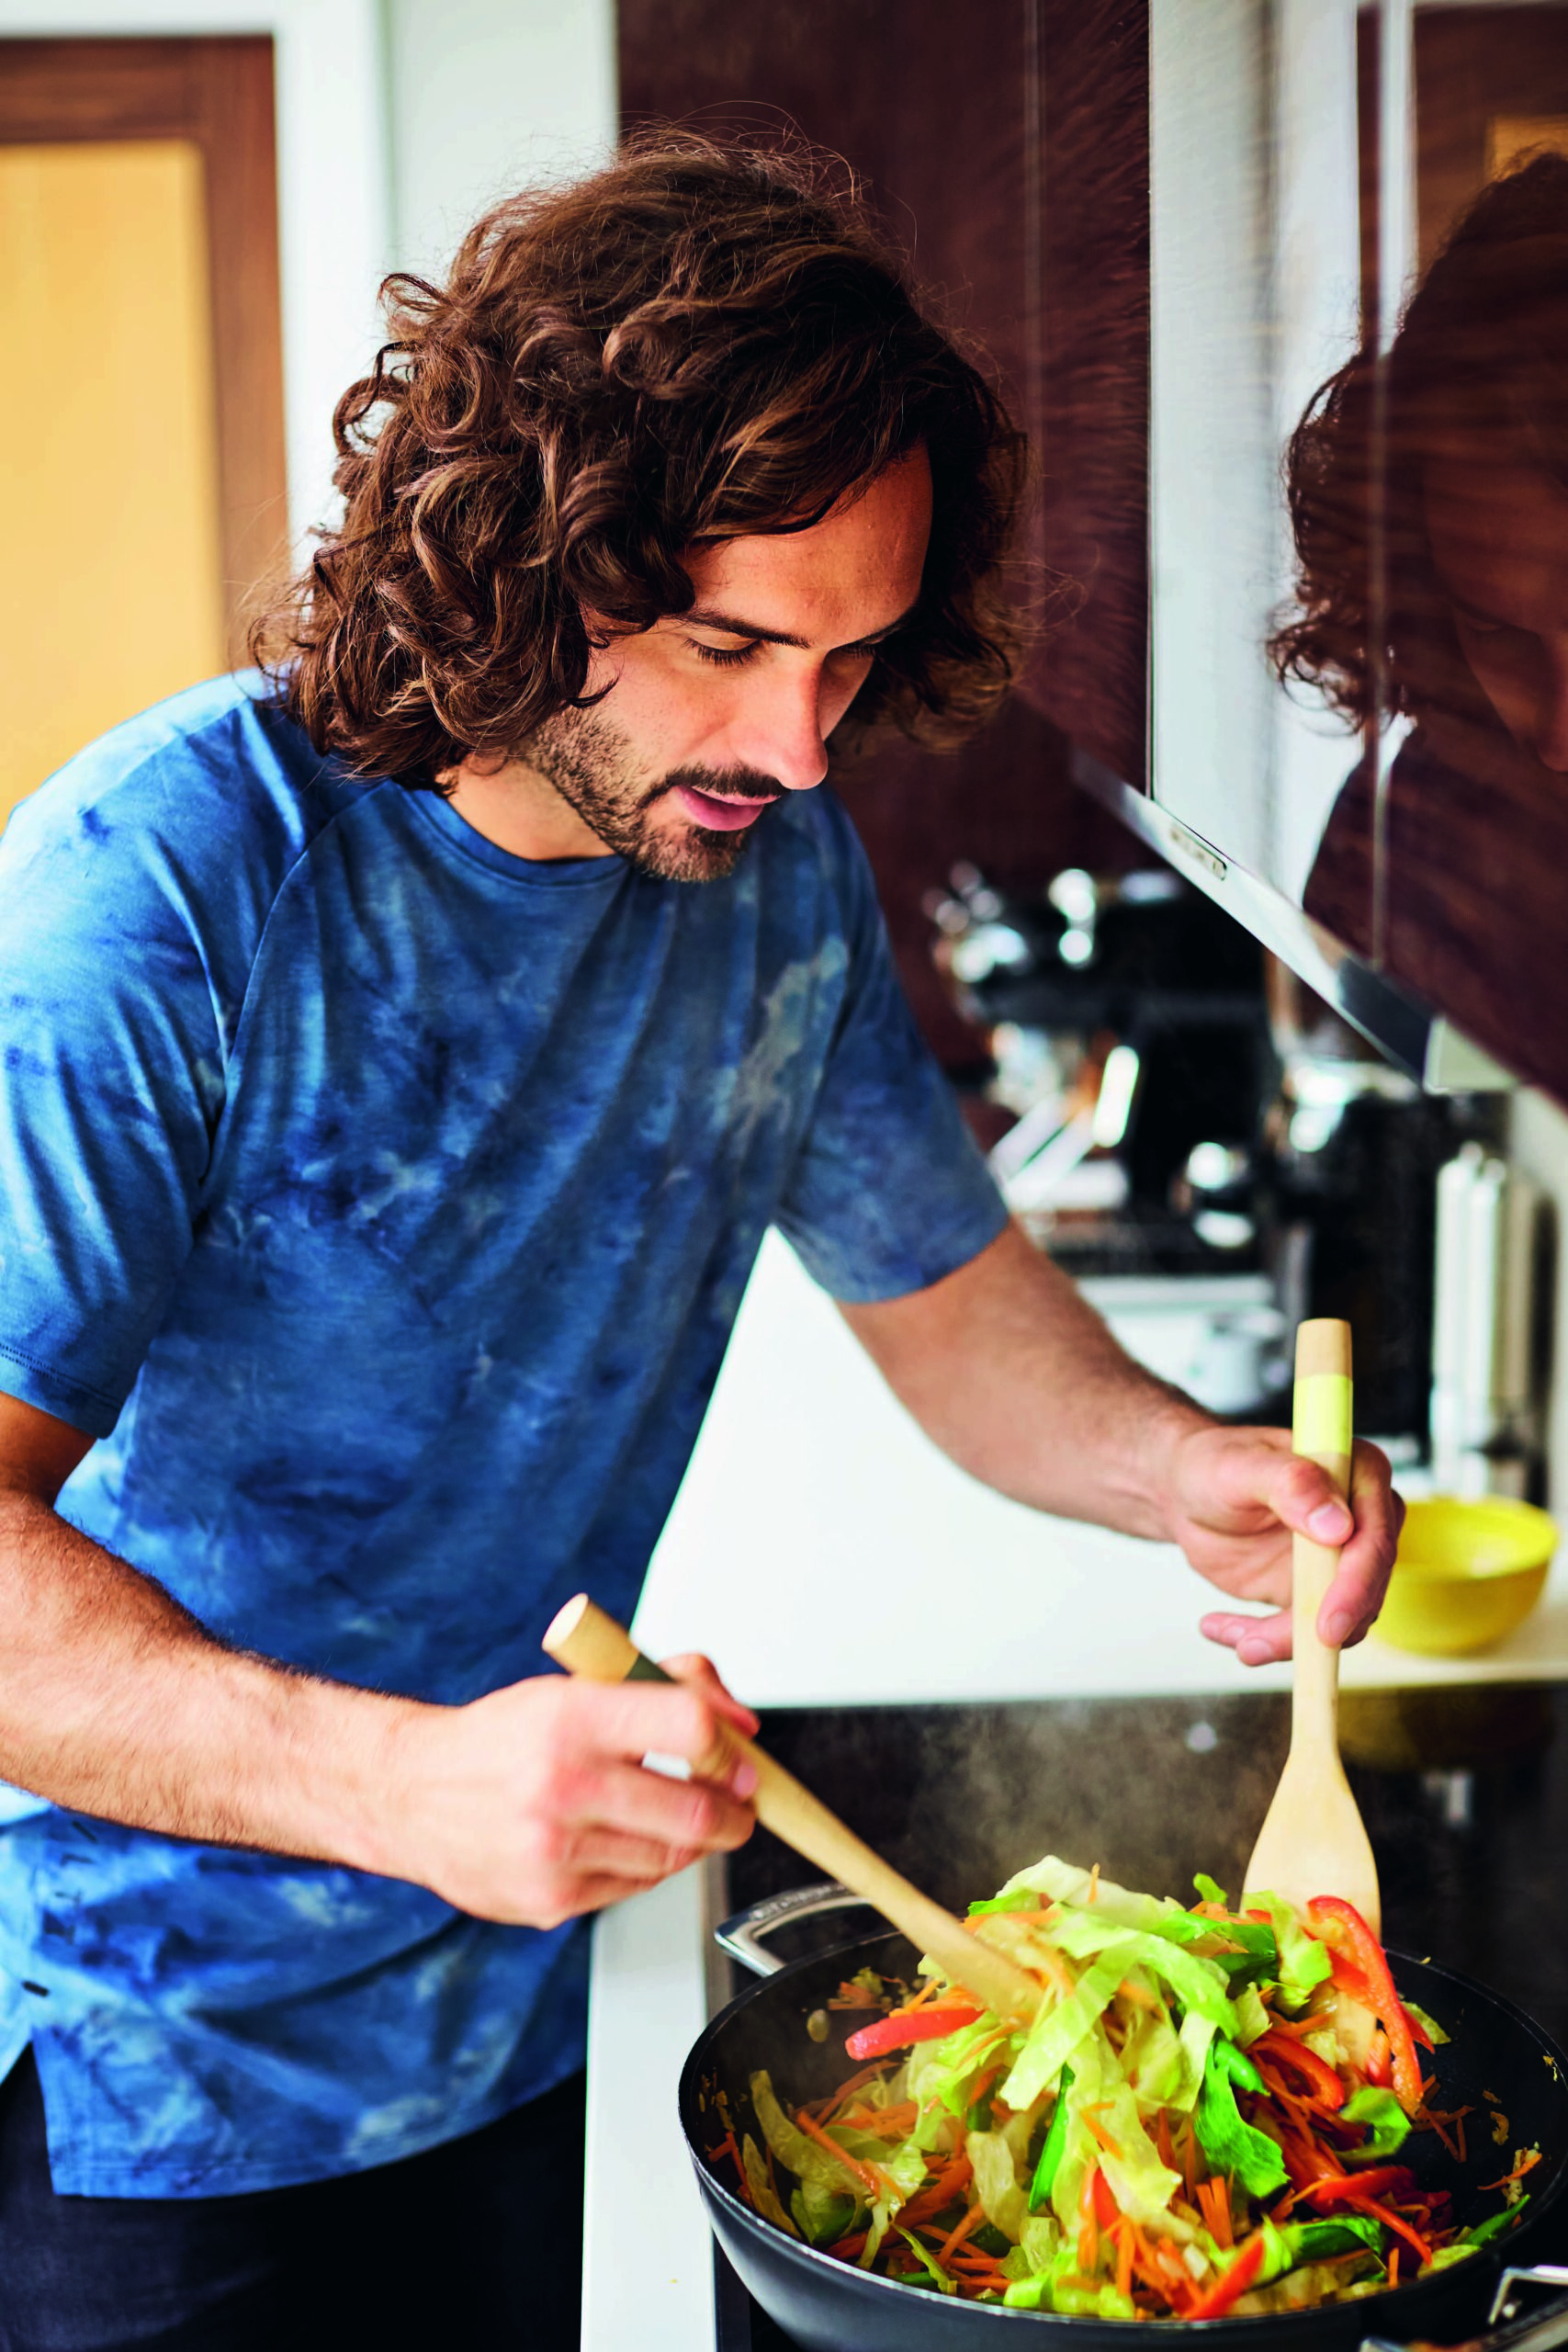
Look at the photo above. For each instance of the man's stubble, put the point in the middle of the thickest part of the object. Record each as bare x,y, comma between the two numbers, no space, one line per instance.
588,760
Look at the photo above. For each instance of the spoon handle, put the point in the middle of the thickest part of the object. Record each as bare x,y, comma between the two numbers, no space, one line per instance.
586,1641
1323,1421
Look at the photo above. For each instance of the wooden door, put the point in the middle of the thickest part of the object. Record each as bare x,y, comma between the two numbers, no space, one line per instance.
142,405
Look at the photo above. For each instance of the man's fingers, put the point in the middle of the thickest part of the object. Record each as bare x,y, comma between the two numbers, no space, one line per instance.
691,1667
1302,1496
691,1816
631,1720
1256,1641
1356,1595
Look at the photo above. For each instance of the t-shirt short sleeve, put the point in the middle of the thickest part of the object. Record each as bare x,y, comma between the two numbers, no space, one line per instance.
888,1193
111,1082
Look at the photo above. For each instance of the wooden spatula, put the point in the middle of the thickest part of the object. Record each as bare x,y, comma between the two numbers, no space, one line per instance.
587,1642
1314,1840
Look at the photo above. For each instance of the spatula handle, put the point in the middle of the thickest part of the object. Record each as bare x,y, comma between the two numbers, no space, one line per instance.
1323,1420
587,1642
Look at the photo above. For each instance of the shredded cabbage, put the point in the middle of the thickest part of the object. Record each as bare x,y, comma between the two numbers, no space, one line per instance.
1167,2112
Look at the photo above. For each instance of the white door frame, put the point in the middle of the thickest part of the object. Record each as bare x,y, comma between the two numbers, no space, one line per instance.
334,189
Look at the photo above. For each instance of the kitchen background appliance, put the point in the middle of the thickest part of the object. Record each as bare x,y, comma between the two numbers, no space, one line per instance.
1464,1788
1183,1107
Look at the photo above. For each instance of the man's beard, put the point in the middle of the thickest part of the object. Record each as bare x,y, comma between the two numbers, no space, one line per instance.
589,762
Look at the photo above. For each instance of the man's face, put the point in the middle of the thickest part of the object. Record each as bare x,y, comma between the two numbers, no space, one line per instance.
713,715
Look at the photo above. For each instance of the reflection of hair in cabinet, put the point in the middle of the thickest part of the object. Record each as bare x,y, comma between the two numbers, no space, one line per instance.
1477,376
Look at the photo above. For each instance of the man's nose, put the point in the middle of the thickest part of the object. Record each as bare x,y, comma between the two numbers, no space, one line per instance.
781,734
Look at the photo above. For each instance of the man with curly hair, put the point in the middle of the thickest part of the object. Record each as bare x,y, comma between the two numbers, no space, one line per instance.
408,1046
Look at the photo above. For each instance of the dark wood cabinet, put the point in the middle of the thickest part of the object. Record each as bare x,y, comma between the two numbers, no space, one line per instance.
1168,222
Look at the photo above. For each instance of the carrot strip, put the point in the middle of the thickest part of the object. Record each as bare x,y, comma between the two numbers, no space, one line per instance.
862,2173
888,2123
857,2082
1122,2234
1531,2158
1139,1995
1214,2203
972,2220
937,2193
1089,2228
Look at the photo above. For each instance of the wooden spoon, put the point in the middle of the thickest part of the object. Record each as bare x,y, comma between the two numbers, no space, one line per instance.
586,1642
1314,1840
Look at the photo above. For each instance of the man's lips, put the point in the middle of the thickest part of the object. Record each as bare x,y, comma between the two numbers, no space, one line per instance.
719,816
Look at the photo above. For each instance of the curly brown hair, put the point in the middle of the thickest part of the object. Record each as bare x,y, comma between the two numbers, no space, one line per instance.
1478,370
702,341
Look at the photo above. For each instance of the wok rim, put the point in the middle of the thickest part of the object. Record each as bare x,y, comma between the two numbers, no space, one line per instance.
1417,2296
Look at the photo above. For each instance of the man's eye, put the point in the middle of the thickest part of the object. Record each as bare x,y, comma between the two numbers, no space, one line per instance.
734,660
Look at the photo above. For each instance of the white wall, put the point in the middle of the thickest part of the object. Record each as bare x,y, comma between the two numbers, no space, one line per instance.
485,96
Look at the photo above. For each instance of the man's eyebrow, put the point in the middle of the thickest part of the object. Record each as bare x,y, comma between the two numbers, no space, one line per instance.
731,625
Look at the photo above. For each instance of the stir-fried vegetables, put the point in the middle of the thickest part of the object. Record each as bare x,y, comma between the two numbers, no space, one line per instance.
1206,2117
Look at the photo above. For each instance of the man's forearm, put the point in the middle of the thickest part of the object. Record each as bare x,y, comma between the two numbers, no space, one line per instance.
1018,1380
528,1805
115,1702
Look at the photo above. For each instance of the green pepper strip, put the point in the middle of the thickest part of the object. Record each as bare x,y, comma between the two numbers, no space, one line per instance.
1044,2180
1231,2145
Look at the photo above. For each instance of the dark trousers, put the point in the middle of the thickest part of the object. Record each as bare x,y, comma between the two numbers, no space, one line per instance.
469,2246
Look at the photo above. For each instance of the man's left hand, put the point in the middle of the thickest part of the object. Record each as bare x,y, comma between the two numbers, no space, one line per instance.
1236,1498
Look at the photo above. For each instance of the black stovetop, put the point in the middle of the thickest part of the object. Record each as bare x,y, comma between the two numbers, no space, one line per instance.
1464,1790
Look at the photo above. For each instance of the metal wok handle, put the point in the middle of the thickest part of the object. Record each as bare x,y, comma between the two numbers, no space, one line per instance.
741,1935
1543,2331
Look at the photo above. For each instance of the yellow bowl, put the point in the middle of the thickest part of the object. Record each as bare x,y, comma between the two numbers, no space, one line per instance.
1467,1574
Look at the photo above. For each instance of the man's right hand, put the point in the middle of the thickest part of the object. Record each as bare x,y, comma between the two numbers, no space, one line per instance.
533,1804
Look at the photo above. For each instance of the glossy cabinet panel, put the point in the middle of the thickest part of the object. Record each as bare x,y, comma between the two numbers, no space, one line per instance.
1360,461
1300,549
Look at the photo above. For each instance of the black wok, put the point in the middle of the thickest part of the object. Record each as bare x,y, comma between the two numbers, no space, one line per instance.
829,2306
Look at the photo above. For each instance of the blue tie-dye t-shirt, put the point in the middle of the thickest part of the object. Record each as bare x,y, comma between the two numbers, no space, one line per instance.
382,1203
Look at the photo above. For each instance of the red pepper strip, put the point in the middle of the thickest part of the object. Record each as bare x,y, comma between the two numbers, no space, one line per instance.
1379,2060
895,2032
1296,2058
1350,1980
1354,2188
1345,1931
1231,2284
1391,2221
1106,2208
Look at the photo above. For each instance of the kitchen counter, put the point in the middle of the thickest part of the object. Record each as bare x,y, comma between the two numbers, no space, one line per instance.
814,1501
